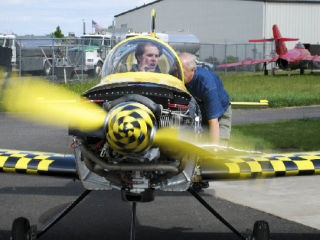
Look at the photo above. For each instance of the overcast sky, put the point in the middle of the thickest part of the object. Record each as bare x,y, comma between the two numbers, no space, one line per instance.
41,17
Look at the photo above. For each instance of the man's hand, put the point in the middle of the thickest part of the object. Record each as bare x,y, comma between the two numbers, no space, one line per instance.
144,67
214,131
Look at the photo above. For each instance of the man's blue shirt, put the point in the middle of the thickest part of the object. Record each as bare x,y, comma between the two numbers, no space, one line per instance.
207,88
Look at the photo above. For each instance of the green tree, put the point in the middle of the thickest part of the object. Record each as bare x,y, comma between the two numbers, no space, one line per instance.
58,33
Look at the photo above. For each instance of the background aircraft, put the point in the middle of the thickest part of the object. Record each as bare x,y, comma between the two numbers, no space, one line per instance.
297,58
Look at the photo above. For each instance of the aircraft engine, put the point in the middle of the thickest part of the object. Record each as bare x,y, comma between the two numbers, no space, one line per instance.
123,153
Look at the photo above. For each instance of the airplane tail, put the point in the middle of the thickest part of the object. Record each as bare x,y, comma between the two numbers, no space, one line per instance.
279,40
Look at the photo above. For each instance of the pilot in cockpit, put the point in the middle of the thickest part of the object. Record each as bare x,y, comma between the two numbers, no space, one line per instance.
299,45
147,55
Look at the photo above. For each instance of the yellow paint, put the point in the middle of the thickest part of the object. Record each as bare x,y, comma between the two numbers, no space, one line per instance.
51,104
144,77
3,159
292,173
278,166
255,167
44,165
22,163
153,22
304,165
9,170
233,168
32,171
263,103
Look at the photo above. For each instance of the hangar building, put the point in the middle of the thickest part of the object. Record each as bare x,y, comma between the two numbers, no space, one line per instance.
228,21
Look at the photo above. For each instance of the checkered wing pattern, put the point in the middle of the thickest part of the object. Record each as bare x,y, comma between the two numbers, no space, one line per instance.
264,166
37,163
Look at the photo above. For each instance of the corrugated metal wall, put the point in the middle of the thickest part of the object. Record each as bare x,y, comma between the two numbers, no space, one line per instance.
295,20
212,21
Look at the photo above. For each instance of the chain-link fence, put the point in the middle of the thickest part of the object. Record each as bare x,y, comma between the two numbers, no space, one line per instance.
229,53
75,58
59,59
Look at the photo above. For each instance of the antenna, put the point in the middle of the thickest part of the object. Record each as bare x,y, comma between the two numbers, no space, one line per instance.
84,26
153,23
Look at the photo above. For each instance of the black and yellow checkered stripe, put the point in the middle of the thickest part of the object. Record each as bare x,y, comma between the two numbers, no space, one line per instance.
263,166
52,164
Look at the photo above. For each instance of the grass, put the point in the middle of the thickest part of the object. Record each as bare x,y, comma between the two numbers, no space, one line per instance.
297,135
81,87
281,90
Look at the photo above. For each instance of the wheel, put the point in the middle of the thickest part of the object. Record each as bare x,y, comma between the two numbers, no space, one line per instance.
47,68
96,71
261,231
266,72
21,229
301,71
265,69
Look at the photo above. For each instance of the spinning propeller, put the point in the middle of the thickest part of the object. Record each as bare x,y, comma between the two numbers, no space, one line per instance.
40,101
130,127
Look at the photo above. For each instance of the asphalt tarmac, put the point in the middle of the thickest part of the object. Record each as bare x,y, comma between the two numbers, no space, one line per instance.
103,215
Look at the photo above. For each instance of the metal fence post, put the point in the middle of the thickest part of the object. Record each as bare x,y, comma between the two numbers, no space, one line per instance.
225,57
245,54
236,68
53,60
20,59
82,59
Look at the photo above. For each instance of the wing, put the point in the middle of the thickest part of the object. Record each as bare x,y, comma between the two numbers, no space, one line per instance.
248,62
311,58
299,59
262,166
49,164
230,163
298,54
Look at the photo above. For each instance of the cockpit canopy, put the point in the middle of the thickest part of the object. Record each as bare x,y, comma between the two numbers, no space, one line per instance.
300,45
127,57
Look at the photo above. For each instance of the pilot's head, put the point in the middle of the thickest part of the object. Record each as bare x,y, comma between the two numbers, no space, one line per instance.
147,55
299,45
188,62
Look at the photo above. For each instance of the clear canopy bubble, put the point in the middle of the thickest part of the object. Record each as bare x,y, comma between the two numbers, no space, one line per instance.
142,54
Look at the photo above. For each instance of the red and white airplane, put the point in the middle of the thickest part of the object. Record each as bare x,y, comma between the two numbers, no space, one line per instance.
297,58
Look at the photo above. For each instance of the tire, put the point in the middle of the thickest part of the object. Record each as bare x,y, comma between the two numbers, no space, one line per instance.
266,72
301,71
98,68
21,229
261,231
47,69
96,71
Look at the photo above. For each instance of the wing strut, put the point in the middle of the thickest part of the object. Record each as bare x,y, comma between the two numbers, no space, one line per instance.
133,221
63,213
215,213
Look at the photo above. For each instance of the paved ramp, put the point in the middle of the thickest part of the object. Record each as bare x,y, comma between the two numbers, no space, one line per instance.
240,116
293,198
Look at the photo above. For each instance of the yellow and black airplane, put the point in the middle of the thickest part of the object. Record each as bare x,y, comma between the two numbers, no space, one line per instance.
134,132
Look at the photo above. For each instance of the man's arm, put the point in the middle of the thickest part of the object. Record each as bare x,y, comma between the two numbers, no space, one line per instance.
214,131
